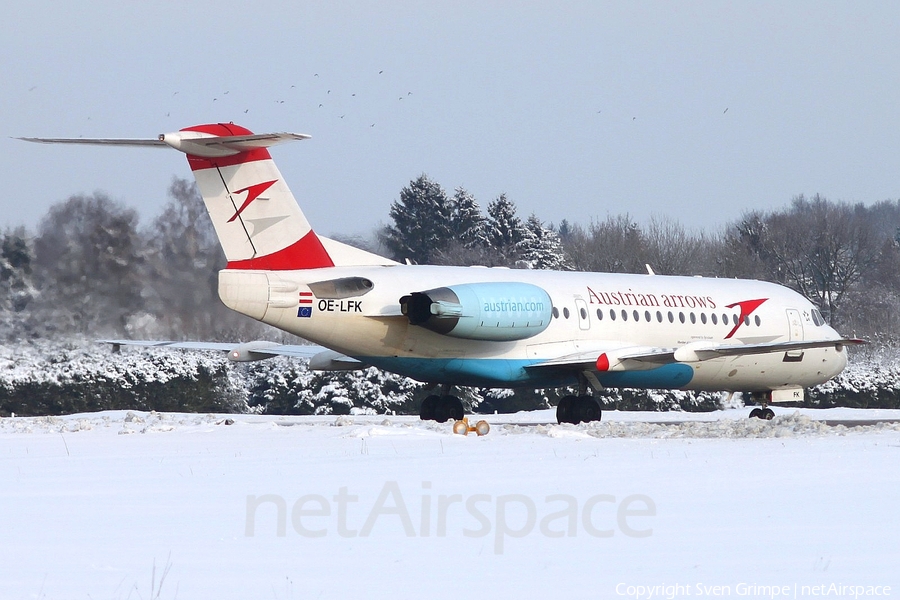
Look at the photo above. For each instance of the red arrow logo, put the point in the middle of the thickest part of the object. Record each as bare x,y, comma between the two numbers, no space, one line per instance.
747,307
253,193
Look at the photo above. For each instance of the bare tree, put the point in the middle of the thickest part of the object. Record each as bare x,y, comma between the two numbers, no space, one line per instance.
821,249
183,259
611,246
87,263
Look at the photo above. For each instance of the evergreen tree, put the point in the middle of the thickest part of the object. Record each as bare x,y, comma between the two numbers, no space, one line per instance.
542,248
16,288
470,228
422,222
505,230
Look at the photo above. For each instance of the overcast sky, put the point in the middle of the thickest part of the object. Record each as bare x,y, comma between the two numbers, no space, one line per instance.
696,111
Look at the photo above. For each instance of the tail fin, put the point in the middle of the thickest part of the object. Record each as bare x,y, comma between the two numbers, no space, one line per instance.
256,217
259,223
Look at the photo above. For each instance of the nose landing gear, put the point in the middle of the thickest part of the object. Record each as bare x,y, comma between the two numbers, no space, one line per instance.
764,412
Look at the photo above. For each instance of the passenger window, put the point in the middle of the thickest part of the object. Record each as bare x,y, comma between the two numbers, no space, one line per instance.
671,317
703,318
647,315
681,317
693,319
624,315
612,314
715,319
659,316
583,313
636,315
758,320
555,313
599,314
566,312
747,320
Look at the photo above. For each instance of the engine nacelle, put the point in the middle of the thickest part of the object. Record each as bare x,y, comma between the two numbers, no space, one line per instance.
481,311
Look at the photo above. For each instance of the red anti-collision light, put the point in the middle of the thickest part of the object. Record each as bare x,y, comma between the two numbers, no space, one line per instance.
603,362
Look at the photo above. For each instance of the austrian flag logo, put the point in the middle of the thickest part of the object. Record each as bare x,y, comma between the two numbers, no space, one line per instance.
306,300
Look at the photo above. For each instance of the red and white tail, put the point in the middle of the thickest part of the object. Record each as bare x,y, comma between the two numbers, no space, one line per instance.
259,223
256,217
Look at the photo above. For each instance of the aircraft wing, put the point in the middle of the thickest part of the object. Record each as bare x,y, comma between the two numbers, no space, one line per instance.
636,358
709,351
320,357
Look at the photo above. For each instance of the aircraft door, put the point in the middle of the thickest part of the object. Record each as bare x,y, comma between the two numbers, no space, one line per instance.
795,325
795,333
584,317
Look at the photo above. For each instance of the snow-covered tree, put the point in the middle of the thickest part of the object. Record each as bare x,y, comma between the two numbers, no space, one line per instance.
470,227
505,230
542,248
422,222
16,289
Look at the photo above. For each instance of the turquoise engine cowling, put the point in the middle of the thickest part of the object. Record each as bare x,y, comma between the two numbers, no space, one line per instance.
481,311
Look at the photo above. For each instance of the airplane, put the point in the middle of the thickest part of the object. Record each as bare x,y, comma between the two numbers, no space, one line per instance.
486,327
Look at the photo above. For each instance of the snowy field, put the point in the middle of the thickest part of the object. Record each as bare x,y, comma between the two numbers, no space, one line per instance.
642,505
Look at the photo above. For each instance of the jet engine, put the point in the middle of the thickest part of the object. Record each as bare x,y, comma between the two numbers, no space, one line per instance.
481,311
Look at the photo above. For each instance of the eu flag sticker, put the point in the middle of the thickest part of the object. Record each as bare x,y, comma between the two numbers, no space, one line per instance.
305,310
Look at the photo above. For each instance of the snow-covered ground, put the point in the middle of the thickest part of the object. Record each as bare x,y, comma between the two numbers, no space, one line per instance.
135,505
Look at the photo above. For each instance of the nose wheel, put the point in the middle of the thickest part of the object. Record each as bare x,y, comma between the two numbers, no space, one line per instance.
764,412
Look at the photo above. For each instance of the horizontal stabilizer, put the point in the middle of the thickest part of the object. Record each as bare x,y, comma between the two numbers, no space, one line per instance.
97,141
195,143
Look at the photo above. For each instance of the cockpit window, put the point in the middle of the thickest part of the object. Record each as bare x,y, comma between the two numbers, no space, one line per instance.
817,317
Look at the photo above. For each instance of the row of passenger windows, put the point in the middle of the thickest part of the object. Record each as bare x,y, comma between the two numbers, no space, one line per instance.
648,316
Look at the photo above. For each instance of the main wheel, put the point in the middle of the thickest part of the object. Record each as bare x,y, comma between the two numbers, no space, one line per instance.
756,413
429,404
565,408
767,413
587,409
448,407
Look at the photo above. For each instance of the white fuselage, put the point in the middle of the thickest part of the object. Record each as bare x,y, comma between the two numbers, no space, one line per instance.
592,312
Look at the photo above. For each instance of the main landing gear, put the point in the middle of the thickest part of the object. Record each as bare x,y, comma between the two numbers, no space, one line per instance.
441,408
578,409
444,408
764,412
